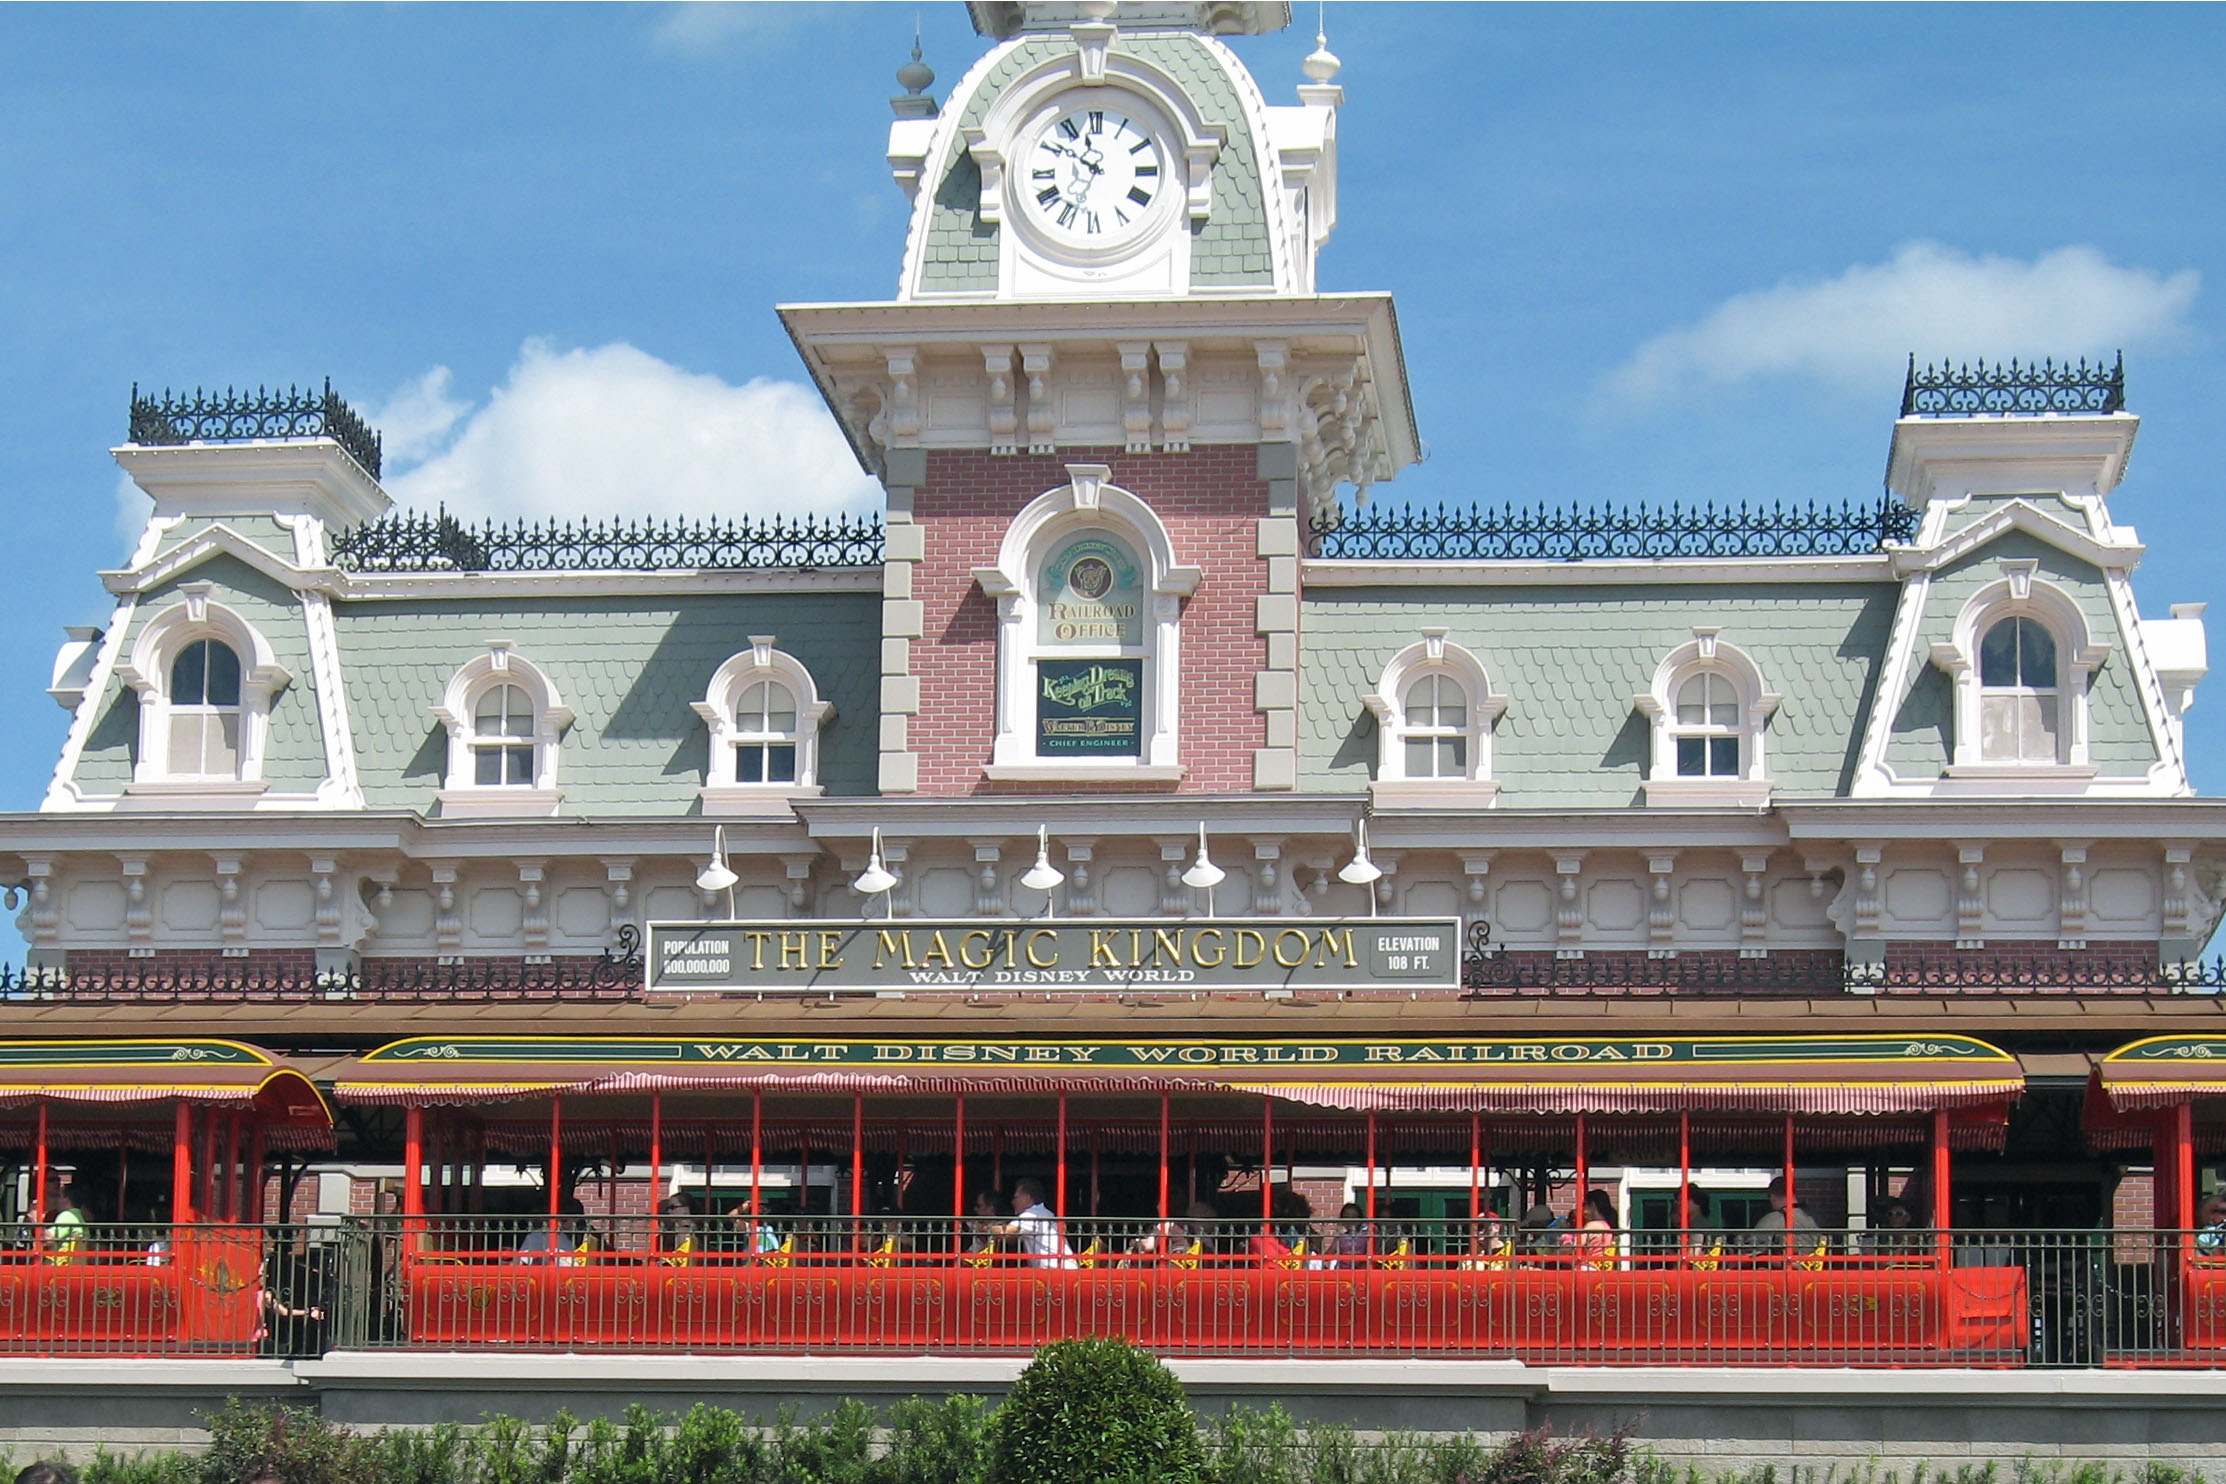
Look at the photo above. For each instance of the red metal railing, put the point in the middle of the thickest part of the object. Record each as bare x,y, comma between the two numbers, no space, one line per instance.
798,1285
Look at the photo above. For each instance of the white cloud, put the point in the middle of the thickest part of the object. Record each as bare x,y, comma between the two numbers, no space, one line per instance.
1856,330
613,431
700,26
416,420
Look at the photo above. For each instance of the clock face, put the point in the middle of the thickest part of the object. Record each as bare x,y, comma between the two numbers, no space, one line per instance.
1093,176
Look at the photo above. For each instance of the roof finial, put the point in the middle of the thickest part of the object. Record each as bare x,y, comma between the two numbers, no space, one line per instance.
915,76
1321,64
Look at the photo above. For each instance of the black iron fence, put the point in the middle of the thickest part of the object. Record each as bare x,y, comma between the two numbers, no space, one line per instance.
2014,389
1512,533
441,543
238,417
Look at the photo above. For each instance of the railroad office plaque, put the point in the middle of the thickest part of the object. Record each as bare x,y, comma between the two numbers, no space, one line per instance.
1090,708
965,955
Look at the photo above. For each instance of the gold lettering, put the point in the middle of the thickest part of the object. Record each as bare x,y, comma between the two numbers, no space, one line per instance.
1258,944
1042,935
893,1053
893,943
938,954
1043,1053
1167,948
1383,1053
1526,1053
1568,1053
1198,948
1651,1051
795,946
965,951
1000,1053
756,938
1102,955
830,945
1285,936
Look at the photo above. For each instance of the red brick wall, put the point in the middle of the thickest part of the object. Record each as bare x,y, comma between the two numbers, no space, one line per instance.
1208,498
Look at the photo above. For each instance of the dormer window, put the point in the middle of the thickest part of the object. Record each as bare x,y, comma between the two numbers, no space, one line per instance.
2021,659
502,726
2019,693
764,716
1708,709
1435,710
205,711
205,678
505,723
1706,732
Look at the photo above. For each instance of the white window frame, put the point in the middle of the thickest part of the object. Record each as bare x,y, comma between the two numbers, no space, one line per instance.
195,617
1434,655
1708,652
1086,502
2021,594
464,796
721,793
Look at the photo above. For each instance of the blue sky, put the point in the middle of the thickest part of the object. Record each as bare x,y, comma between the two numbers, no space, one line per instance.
1662,252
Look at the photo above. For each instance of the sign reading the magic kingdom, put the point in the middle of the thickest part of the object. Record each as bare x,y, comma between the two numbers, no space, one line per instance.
1180,954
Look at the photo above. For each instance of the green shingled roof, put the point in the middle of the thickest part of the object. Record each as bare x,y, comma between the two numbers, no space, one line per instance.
1570,661
627,667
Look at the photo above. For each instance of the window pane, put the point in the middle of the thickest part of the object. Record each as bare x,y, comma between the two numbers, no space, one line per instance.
1419,756
2037,729
1692,702
1692,757
1453,757
780,764
749,765
502,712
487,767
1998,654
189,675
1723,757
1422,702
519,766
749,711
2036,659
185,742
223,672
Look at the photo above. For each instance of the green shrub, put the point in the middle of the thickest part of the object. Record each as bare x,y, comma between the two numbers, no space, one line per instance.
1098,1411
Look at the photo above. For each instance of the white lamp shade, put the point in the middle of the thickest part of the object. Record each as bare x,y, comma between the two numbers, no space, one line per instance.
715,877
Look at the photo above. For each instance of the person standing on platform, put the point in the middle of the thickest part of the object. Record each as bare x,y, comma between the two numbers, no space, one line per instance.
65,1233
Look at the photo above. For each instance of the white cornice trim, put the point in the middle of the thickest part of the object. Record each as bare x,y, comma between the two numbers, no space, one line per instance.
2017,515
210,542
2156,817
62,793
1355,572
275,476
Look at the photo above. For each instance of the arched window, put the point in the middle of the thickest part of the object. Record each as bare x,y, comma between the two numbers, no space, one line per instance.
504,722
1708,709
2019,693
205,678
2021,658
1707,730
205,711
1089,605
764,716
1435,710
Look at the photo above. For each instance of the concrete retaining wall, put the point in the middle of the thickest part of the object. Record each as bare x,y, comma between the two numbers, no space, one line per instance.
1720,1418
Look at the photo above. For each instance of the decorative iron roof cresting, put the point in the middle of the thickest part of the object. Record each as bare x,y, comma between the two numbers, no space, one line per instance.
1574,532
240,417
2029,390
441,543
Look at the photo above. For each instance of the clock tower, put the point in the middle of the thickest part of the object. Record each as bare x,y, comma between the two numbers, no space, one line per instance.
1107,403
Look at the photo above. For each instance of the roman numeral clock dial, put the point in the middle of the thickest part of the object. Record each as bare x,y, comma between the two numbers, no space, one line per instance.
1093,177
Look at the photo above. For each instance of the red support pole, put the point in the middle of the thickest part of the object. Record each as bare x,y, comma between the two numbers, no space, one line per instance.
958,1180
1792,1191
1684,1180
1584,1177
1164,1131
181,1168
656,1160
204,1167
757,1161
1060,1198
1476,1180
413,1160
1267,1161
1943,1203
1093,1171
857,1169
2183,1166
38,1183
436,1127
1369,1210
556,1162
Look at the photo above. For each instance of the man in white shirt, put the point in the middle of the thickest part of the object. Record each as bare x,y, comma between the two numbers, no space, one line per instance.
1035,1227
